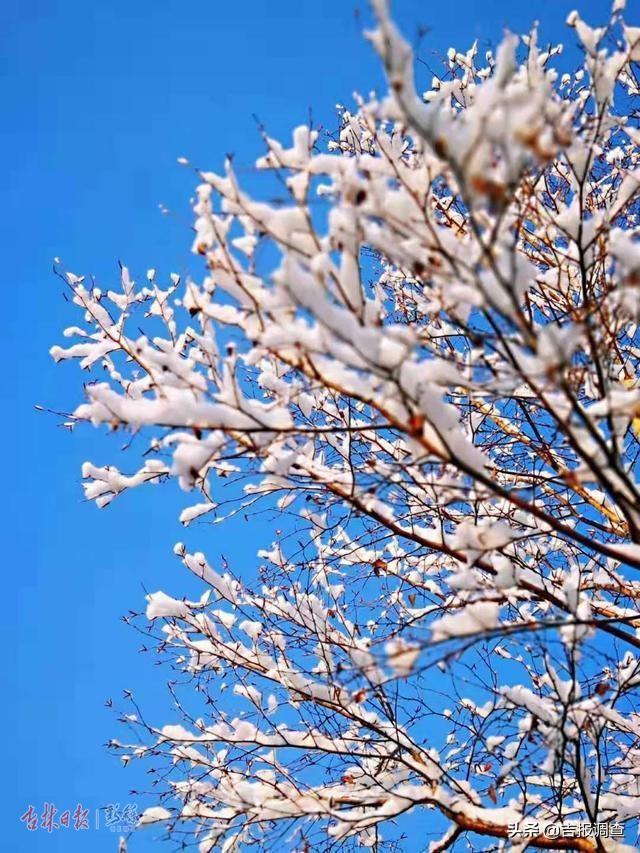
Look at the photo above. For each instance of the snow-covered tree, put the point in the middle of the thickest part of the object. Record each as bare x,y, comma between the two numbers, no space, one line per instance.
427,361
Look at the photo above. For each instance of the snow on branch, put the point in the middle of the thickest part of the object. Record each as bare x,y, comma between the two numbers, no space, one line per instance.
424,364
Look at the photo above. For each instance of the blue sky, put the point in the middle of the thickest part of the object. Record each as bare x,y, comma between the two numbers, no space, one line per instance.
99,99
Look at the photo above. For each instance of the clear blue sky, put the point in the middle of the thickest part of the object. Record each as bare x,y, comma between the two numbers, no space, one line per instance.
98,100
